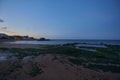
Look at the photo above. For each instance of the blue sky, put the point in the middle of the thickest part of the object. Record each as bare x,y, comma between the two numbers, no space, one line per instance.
62,19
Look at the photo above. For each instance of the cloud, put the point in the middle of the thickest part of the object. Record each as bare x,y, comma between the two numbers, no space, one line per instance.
1,20
4,27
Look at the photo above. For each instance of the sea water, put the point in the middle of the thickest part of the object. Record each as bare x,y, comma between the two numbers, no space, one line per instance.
65,41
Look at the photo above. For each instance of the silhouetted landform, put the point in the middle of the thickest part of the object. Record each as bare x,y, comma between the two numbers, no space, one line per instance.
18,37
43,39
4,36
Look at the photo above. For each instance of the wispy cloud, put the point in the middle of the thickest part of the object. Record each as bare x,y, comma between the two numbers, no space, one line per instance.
1,20
4,29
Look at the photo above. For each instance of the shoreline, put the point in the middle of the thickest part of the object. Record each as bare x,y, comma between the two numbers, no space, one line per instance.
63,42
35,62
8,45
7,40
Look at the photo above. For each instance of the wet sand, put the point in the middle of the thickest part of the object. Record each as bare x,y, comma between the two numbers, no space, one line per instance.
8,45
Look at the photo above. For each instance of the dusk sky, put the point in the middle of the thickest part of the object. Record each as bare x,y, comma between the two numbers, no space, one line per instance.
61,19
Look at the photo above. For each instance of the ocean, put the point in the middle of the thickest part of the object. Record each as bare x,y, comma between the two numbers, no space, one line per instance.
65,41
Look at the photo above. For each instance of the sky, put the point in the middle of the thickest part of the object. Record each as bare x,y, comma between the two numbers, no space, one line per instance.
61,19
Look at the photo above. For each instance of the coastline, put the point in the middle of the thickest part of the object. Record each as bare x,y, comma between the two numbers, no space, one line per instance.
8,45
7,40
58,62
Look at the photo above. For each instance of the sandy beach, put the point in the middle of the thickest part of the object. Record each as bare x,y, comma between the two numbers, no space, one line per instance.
5,43
46,67
59,69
